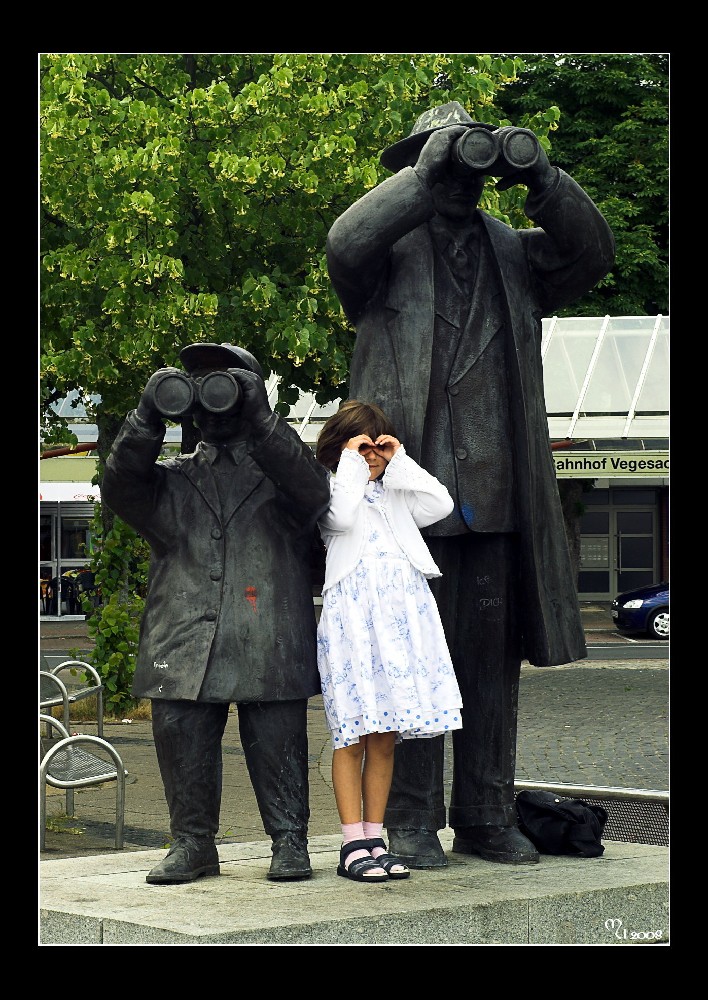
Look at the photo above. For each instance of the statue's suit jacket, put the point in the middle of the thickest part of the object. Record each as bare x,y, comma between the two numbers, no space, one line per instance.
380,259
229,591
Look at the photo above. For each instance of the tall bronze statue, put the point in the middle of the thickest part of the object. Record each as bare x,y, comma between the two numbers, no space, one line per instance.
229,615
447,304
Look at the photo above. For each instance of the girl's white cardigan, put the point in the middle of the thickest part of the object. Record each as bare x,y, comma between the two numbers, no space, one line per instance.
413,499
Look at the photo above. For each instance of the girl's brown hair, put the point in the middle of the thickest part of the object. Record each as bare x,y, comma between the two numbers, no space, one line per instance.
352,418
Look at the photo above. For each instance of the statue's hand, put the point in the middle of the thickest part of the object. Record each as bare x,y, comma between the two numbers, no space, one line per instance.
255,408
435,154
537,177
147,408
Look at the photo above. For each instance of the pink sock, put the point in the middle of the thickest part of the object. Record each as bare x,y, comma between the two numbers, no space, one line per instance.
350,832
374,831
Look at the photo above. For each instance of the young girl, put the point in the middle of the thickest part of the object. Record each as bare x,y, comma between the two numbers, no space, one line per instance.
384,664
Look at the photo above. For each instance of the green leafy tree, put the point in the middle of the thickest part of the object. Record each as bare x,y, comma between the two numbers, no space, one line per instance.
612,136
121,578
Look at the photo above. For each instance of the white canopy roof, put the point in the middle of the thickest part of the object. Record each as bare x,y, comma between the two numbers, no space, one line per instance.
608,378
78,492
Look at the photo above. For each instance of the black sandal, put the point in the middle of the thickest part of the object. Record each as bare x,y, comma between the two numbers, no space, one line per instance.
388,861
357,869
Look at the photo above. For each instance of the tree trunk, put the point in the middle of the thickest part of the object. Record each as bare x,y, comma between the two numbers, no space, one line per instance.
108,425
571,492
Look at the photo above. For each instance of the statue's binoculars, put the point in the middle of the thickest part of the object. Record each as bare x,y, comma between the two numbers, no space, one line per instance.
499,153
176,394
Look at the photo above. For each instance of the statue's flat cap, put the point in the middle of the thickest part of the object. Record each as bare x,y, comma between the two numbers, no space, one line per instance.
198,356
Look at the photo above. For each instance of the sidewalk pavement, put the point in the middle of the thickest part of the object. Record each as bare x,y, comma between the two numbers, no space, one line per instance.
593,723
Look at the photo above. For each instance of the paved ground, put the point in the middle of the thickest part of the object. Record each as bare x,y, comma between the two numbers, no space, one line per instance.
592,723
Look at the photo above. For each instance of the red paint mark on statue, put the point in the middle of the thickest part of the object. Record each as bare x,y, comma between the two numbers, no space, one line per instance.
251,597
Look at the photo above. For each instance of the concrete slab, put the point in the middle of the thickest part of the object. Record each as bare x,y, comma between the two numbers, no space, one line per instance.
620,898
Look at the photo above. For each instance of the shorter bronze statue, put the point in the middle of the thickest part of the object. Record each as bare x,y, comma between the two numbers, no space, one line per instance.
229,615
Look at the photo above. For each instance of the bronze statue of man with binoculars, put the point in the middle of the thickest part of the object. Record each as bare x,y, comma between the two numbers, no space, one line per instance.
229,615
447,303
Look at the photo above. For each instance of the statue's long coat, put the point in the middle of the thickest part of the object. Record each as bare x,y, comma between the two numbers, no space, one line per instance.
380,258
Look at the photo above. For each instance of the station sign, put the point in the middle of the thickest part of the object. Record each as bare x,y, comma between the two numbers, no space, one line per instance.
610,464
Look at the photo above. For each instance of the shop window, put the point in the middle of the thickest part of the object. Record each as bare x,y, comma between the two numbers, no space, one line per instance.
595,522
75,538
593,583
596,498
637,522
627,496
45,538
638,552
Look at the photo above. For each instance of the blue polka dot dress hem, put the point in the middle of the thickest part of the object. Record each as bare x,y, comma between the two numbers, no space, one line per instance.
414,725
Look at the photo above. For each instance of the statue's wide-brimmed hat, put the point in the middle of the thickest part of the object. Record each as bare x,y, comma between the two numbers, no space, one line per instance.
198,356
405,153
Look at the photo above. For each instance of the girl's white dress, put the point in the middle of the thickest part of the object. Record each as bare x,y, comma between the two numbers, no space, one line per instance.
381,651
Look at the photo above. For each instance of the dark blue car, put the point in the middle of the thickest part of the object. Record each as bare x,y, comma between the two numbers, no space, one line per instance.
645,609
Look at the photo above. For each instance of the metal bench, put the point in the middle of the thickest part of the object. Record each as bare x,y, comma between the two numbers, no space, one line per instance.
79,761
66,694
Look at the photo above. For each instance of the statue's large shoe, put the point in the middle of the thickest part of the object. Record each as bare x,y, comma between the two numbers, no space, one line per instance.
188,859
290,862
505,844
419,849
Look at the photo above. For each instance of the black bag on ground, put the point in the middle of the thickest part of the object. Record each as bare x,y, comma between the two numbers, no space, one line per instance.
555,825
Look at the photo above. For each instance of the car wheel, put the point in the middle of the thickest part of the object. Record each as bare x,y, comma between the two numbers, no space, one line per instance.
658,627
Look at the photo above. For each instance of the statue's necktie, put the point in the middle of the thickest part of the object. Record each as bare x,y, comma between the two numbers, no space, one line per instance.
223,469
461,262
